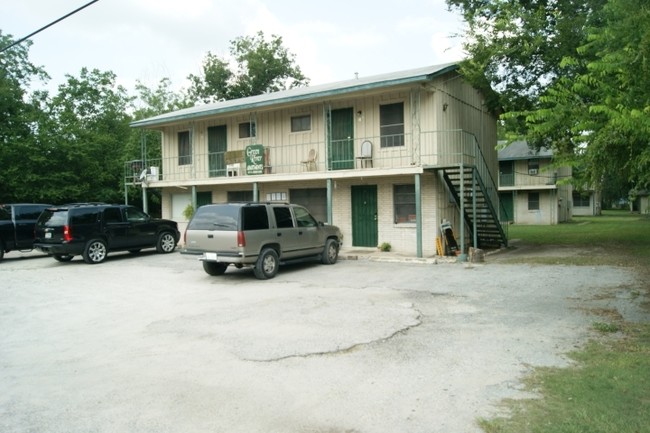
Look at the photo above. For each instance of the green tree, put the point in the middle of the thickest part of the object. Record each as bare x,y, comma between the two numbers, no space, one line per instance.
144,145
84,136
19,116
261,67
599,109
572,76
150,102
516,46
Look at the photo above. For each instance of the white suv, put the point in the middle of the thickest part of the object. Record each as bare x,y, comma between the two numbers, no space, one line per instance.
261,235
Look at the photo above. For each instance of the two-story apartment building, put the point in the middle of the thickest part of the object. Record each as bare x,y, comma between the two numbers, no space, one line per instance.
530,187
387,158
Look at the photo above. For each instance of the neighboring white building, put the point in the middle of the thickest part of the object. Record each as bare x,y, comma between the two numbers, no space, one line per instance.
386,158
640,202
529,190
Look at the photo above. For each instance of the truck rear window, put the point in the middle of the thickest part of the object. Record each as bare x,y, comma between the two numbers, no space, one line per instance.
51,218
218,217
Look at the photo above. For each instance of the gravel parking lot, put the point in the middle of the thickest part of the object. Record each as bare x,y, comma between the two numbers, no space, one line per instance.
153,344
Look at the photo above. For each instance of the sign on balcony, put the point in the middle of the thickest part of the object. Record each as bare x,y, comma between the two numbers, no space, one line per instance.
255,159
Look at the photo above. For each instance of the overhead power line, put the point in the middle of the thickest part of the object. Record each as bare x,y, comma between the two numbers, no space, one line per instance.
45,27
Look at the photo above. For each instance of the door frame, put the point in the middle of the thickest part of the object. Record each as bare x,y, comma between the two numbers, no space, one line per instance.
365,226
340,149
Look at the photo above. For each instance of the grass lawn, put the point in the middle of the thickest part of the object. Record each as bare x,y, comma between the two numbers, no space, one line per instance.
608,388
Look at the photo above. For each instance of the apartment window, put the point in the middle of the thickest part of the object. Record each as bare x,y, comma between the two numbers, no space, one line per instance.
404,203
391,124
533,166
247,130
580,199
301,123
240,195
533,201
184,148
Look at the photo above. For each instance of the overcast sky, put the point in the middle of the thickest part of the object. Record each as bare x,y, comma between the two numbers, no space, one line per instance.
148,40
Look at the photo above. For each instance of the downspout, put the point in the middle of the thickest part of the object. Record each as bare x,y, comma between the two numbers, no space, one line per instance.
418,214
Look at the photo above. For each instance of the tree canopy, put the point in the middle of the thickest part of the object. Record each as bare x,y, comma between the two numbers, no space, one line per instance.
72,145
572,76
256,66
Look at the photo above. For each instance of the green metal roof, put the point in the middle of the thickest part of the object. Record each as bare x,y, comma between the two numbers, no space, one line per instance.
520,150
300,94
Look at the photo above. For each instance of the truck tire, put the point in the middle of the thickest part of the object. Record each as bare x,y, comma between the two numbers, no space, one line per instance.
267,264
166,243
95,251
330,252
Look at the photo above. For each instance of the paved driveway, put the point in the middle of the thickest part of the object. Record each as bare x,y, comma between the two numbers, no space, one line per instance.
153,344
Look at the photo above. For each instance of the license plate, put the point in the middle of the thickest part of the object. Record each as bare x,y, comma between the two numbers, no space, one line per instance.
212,257
48,235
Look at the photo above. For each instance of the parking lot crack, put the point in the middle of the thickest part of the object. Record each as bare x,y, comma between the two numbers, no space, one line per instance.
340,350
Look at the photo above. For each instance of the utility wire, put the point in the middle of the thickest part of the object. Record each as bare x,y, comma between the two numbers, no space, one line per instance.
45,27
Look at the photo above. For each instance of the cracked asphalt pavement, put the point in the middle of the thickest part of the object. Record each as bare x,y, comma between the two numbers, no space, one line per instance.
154,344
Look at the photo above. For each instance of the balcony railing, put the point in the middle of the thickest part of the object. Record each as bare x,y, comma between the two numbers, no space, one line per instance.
525,180
428,149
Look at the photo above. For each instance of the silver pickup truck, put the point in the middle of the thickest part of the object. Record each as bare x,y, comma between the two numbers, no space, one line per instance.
259,235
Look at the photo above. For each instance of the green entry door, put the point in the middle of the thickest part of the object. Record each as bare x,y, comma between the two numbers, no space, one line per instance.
507,210
217,145
341,146
364,216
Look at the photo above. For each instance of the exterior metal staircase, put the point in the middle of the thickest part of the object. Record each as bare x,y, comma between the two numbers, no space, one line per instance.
478,203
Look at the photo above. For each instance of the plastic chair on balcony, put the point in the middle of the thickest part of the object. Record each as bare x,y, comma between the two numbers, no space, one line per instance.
310,162
366,154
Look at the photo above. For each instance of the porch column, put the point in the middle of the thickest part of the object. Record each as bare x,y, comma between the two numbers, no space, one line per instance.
194,197
474,223
418,214
330,188
145,203
256,193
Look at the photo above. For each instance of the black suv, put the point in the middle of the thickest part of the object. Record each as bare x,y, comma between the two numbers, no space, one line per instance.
17,226
92,230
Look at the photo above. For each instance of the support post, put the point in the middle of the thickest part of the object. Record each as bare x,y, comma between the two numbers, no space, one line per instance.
256,193
418,214
194,197
463,255
145,203
474,223
330,187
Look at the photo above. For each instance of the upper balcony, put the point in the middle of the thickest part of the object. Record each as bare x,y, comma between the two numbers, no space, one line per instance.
321,159
528,179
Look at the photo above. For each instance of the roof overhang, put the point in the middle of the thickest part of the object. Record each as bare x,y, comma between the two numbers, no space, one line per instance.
299,94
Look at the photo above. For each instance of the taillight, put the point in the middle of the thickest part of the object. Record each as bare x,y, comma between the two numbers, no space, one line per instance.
241,239
67,236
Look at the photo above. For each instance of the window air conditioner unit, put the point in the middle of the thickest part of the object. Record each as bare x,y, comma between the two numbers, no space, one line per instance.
532,171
